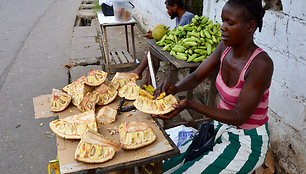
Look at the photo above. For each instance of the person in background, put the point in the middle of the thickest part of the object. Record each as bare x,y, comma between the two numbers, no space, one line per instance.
243,81
176,10
106,7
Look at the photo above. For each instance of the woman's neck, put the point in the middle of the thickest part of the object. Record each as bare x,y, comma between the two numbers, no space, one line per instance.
244,50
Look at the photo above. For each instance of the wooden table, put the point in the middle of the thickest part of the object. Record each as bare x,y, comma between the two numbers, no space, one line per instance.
162,148
119,58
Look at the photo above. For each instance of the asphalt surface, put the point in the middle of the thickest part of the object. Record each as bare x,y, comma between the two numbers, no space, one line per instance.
35,39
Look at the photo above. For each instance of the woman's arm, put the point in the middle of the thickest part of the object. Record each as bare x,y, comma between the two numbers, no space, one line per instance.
258,79
208,66
192,80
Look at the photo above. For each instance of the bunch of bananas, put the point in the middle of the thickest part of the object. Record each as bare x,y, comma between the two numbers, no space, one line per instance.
192,42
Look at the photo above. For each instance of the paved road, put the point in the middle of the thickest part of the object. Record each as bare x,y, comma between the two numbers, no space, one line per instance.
35,39
18,18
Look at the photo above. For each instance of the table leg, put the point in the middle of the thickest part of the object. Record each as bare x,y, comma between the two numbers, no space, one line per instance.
173,74
102,46
127,38
211,101
158,168
132,170
190,92
133,42
106,48
91,171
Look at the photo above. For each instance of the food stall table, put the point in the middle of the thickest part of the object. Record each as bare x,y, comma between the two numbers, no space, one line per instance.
119,58
162,148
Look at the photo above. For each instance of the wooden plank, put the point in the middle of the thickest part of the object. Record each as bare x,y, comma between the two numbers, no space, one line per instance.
111,59
116,66
193,123
115,57
122,57
128,56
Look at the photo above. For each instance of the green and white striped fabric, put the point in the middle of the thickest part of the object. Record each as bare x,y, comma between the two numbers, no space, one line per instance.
235,151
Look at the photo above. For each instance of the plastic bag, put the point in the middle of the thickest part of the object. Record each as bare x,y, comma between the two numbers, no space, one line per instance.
180,134
203,141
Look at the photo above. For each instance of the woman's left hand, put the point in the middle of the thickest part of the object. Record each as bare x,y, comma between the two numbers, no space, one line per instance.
181,105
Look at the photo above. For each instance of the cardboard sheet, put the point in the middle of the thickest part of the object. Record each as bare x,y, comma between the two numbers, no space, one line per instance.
42,107
66,148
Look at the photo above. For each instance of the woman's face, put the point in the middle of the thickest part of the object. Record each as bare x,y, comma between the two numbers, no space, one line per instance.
234,28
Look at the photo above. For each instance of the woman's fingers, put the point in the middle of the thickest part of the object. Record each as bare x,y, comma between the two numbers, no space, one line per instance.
159,89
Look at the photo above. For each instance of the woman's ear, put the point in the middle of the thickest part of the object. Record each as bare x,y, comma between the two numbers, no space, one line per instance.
252,25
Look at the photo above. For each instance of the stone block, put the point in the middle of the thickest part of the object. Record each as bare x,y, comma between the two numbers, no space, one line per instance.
87,6
284,103
84,31
274,32
295,70
87,14
296,38
295,8
85,47
280,62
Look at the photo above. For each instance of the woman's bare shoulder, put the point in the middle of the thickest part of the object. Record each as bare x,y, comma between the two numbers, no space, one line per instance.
220,48
263,60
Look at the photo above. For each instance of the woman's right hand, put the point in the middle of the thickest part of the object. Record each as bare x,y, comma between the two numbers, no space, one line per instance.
181,105
164,86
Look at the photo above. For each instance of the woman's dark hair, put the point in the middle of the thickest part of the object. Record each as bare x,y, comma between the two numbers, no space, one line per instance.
179,3
255,9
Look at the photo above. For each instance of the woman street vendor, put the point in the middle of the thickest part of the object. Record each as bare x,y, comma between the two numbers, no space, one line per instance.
243,81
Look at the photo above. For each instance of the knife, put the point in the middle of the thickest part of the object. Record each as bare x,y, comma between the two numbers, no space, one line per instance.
151,70
119,109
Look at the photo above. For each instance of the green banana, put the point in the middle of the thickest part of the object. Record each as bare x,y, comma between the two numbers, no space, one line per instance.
179,48
181,56
208,48
198,59
190,58
188,44
207,34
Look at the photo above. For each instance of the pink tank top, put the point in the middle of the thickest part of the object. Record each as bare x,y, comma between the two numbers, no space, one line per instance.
229,95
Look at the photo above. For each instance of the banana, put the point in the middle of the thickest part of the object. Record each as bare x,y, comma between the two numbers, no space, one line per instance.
192,57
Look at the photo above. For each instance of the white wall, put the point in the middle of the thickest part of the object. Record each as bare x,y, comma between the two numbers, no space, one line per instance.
283,37
151,12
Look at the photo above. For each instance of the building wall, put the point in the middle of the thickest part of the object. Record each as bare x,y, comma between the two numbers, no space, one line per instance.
150,13
283,37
